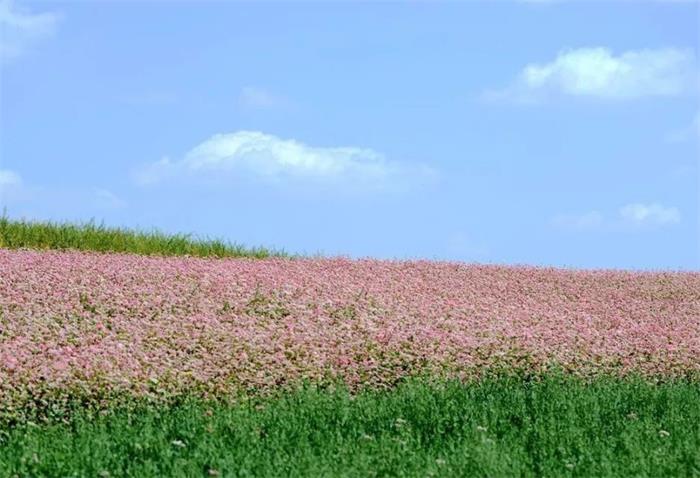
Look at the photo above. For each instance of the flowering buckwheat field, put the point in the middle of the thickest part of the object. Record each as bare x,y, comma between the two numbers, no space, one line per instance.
102,324
128,365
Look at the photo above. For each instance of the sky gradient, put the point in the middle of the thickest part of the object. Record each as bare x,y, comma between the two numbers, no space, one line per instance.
542,132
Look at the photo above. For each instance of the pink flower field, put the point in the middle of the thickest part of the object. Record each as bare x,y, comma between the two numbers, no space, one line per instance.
100,324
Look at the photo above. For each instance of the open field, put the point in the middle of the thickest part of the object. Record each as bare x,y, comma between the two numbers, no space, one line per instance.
135,365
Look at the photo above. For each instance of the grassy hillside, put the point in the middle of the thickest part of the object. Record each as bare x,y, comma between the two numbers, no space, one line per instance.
17,234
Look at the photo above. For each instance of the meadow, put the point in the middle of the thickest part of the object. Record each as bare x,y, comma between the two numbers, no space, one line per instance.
160,361
92,236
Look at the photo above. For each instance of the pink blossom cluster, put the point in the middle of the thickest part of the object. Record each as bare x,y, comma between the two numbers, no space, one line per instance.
96,323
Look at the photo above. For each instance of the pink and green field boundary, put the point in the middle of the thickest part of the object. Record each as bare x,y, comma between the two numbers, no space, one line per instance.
99,325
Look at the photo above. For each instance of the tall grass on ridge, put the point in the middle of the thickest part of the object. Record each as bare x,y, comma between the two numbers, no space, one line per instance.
90,236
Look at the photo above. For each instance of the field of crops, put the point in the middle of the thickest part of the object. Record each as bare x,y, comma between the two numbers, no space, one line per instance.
120,324
293,366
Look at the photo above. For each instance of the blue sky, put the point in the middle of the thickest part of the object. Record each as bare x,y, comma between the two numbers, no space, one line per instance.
534,132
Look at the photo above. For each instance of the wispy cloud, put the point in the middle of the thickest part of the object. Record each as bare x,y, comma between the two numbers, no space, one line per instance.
108,200
9,179
55,200
599,73
270,158
21,28
634,214
12,188
650,214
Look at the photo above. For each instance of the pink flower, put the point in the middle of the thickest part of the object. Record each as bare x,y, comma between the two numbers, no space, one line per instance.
111,322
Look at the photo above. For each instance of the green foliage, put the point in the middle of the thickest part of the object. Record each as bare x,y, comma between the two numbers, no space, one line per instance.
17,234
496,427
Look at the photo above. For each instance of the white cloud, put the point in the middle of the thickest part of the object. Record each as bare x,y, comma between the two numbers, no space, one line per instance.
260,98
589,220
597,72
268,157
11,187
9,179
19,29
636,214
652,214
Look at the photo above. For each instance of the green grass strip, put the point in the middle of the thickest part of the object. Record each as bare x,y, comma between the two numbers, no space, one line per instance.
497,427
90,236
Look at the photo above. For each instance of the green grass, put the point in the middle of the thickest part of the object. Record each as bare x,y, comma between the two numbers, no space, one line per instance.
496,427
17,234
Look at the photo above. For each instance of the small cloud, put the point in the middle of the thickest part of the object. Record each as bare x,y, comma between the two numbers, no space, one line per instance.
9,179
269,158
598,73
21,28
589,220
636,214
650,214
108,200
260,98
155,172
12,188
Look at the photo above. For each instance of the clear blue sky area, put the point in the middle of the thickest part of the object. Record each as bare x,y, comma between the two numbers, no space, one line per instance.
532,132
